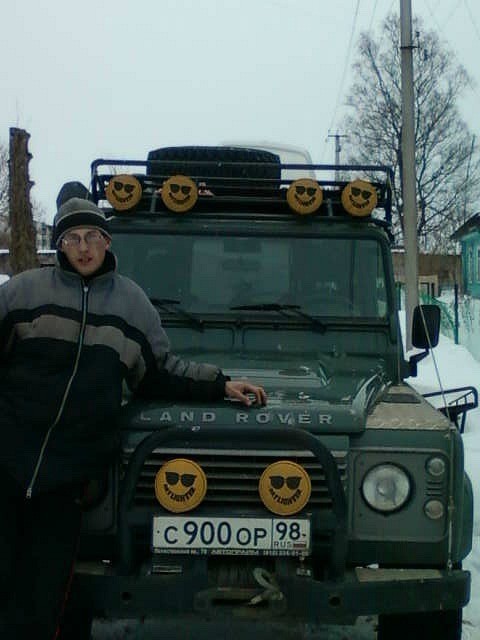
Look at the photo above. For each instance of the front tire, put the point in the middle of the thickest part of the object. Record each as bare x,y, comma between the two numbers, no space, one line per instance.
431,625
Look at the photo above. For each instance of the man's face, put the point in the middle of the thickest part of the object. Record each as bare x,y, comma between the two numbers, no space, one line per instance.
85,249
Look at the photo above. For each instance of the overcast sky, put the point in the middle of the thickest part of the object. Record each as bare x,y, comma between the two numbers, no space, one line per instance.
93,78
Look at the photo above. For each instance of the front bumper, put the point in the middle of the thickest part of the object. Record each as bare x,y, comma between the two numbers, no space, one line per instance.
184,587
361,591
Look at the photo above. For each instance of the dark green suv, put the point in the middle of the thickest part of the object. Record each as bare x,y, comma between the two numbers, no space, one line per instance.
346,495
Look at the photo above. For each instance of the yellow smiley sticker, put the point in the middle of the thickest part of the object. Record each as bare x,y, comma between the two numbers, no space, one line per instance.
359,198
285,487
123,192
304,196
180,485
179,193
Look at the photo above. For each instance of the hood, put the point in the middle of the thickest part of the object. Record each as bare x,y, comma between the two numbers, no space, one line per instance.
331,395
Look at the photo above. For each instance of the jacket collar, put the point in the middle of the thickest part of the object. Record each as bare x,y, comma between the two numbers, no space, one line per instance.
109,266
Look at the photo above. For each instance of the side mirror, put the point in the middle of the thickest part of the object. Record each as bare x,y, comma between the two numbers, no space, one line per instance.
426,326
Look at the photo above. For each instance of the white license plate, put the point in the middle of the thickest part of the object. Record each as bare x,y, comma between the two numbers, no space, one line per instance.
234,536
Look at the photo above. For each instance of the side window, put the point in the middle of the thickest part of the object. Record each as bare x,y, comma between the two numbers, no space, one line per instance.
382,304
369,291
478,265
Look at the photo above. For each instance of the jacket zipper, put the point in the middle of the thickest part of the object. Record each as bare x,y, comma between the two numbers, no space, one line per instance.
65,395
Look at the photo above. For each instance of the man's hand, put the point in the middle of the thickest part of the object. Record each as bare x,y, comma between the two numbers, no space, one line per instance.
238,389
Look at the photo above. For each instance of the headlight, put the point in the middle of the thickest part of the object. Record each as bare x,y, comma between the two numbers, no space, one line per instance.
386,487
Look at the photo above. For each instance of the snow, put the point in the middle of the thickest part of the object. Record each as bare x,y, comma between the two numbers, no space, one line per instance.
458,368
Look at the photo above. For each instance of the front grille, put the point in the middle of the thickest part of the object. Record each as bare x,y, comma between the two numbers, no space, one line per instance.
233,476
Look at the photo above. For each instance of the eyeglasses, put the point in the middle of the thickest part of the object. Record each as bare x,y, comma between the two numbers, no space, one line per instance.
187,479
120,185
365,194
300,189
91,238
185,189
292,482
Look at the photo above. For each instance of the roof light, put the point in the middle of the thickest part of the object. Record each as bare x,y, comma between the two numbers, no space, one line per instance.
179,193
123,192
359,198
304,196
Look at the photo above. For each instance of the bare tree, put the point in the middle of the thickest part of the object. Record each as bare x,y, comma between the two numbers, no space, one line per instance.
39,212
3,195
447,166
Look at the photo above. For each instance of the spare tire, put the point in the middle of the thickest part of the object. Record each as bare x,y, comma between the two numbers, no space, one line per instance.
202,163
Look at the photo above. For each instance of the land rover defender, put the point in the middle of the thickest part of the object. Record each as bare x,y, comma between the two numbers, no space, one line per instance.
346,495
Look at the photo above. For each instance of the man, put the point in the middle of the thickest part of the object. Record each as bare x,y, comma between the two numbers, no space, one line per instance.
69,337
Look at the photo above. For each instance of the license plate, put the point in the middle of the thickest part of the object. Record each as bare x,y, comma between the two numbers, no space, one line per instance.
232,536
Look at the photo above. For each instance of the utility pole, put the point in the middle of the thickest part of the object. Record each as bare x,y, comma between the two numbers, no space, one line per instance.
338,148
467,177
408,168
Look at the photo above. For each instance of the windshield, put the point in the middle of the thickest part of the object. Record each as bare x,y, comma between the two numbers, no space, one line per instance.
210,274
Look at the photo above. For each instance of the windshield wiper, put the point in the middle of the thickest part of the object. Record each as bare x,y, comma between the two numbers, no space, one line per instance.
284,310
169,305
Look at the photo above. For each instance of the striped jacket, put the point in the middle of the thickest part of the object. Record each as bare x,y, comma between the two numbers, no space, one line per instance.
66,346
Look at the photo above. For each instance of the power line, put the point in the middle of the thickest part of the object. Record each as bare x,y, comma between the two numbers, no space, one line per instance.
345,68
475,26
452,12
434,17
373,15
448,39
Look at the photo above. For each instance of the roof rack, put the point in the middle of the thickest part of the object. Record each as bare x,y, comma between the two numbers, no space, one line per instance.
261,185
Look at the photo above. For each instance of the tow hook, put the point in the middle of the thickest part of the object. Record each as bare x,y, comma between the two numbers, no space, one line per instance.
271,590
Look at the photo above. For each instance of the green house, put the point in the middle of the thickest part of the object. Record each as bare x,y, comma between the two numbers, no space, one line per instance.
469,237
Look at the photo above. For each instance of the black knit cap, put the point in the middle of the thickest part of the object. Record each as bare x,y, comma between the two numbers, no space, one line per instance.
75,213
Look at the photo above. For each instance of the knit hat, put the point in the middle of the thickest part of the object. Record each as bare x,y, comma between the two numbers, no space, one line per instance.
75,213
